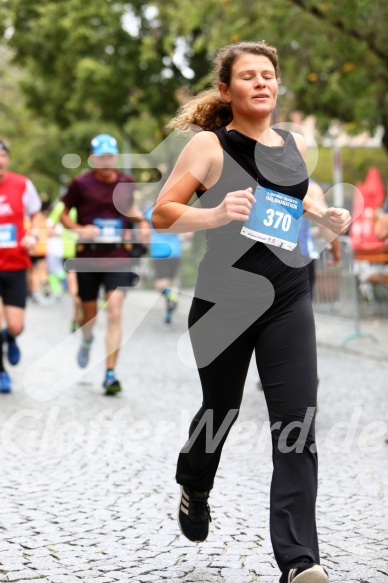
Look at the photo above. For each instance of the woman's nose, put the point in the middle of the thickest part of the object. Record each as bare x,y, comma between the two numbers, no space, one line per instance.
259,80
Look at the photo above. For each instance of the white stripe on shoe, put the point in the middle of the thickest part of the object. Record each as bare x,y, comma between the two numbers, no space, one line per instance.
316,574
184,502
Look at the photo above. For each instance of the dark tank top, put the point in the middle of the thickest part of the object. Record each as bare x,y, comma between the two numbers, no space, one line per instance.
230,257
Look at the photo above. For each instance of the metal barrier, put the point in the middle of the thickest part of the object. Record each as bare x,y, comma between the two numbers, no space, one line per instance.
347,291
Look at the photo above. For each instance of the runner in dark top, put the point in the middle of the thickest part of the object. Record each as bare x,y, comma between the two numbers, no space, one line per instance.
105,212
252,294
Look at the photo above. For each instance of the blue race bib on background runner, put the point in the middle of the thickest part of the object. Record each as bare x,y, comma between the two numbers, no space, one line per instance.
111,230
8,236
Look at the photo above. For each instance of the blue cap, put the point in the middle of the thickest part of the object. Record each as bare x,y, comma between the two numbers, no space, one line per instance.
104,144
4,147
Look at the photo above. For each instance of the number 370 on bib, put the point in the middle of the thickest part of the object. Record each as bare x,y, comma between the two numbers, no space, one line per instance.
274,219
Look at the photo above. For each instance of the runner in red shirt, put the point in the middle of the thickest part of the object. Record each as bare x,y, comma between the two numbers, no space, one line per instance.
18,199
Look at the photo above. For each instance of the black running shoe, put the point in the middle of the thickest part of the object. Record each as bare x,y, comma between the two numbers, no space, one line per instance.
309,573
194,515
112,386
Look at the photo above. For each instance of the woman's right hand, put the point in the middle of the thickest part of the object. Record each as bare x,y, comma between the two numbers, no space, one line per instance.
236,206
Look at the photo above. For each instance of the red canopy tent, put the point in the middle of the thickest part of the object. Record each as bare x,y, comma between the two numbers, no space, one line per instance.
374,189
369,197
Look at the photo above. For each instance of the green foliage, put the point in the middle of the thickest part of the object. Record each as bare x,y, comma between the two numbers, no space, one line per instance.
83,71
340,62
355,164
333,54
37,144
80,63
27,137
70,51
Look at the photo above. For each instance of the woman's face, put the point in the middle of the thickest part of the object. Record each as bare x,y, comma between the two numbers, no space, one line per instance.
253,86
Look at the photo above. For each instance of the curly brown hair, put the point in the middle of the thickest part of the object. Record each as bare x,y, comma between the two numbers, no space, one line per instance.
208,110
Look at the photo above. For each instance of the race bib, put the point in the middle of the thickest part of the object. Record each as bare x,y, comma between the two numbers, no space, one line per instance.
8,236
274,219
111,230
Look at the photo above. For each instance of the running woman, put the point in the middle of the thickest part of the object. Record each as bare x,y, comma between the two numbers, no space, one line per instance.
252,294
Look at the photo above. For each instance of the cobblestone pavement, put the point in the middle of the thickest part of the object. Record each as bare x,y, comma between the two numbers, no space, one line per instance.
87,481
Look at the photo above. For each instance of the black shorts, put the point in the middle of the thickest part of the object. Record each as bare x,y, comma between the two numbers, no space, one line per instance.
13,287
165,268
36,258
89,283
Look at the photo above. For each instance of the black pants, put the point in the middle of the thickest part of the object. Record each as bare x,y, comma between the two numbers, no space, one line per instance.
285,350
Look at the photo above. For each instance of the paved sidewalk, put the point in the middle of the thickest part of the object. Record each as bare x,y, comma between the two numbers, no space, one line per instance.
369,339
87,483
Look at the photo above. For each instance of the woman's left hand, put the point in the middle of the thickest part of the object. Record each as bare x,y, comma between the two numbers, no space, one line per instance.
337,220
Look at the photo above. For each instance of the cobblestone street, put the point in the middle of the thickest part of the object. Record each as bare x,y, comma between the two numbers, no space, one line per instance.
88,491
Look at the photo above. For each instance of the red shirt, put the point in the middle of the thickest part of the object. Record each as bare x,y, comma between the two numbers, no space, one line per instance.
18,199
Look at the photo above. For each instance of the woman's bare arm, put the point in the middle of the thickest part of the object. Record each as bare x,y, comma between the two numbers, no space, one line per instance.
198,167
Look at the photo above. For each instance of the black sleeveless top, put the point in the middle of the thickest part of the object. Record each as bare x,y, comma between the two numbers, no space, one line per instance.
230,257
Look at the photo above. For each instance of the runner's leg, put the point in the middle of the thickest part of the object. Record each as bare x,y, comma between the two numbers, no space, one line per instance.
113,335
286,358
116,284
72,286
222,386
14,295
14,318
89,318
166,283
88,286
